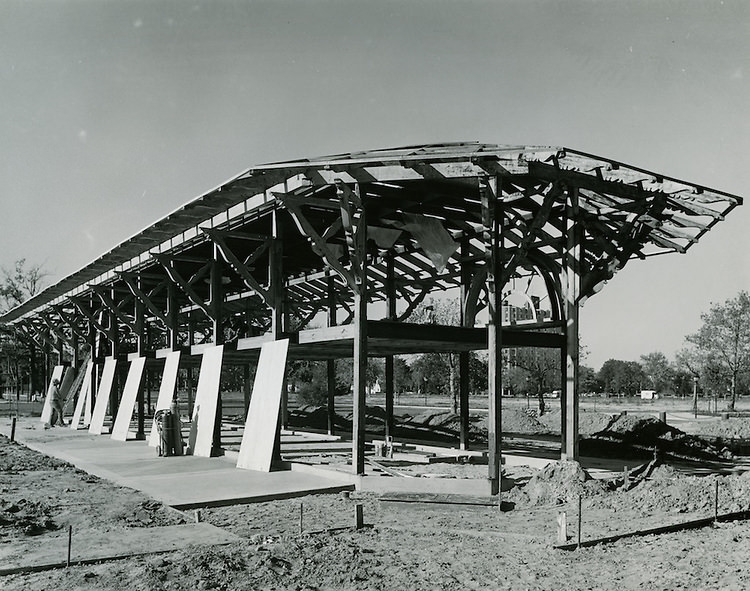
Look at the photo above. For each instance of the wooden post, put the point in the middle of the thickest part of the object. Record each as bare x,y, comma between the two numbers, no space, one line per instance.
172,316
330,363
216,303
278,324
359,517
389,360
463,356
114,343
580,518
94,368
360,343
489,192
141,349
571,289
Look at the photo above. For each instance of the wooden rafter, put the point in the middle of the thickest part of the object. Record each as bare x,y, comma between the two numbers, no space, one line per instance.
167,262
69,321
146,299
114,307
240,267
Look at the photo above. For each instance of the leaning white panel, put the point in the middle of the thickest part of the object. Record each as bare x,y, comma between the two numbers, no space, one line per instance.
83,397
206,399
57,373
102,396
129,396
166,391
261,426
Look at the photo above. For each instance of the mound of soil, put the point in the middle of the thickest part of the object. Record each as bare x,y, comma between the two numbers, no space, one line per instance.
634,435
558,483
733,428
589,422
31,518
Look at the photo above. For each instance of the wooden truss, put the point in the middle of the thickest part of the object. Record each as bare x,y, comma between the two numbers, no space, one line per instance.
306,249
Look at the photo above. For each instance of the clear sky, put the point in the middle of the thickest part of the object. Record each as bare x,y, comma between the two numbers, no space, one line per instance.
115,113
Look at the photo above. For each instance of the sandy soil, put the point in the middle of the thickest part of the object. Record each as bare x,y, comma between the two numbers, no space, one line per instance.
405,546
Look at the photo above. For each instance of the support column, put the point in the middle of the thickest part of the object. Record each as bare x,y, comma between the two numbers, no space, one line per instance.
114,343
390,288
216,303
570,353
278,319
331,363
360,342
94,367
489,192
172,316
463,356
140,336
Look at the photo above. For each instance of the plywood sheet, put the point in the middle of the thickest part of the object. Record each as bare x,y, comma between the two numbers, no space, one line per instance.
256,449
102,396
57,373
129,396
166,391
206,398
83,397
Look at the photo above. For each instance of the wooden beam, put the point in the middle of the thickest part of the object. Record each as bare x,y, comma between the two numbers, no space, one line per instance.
167,262
131,282
113,306
83,309
237,265
489,191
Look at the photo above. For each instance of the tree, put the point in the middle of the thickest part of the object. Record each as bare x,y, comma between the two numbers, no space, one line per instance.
19,284
659,371
16,286
445,365
724,340
622,377
543,367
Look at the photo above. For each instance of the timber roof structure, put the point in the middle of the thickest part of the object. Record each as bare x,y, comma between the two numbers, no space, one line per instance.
420,209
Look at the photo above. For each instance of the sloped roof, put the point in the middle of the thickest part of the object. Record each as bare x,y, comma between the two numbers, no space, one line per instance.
623,211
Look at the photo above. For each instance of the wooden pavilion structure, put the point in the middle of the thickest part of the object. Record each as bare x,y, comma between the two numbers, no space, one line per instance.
360,240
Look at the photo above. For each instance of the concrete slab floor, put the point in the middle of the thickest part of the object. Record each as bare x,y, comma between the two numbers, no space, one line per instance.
180,481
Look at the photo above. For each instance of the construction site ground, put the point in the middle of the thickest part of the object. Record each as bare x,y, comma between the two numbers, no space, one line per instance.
135,540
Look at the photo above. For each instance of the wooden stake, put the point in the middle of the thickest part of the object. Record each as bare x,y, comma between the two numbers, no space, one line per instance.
197,515
13,429
716,500
562,528
358,516
580,505
301,509
70,543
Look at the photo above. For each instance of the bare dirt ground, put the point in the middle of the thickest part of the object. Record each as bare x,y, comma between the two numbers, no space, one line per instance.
405,545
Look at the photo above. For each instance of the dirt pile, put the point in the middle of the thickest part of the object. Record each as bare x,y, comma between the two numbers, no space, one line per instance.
734,428
31,518
629,435
667,492
557,483
589,422
14,461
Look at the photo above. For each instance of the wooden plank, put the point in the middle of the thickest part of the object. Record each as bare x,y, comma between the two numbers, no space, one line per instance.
206,399
445,499
328,333
102,397
166,391
262,424
57,374
664,529
127,403
83,397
